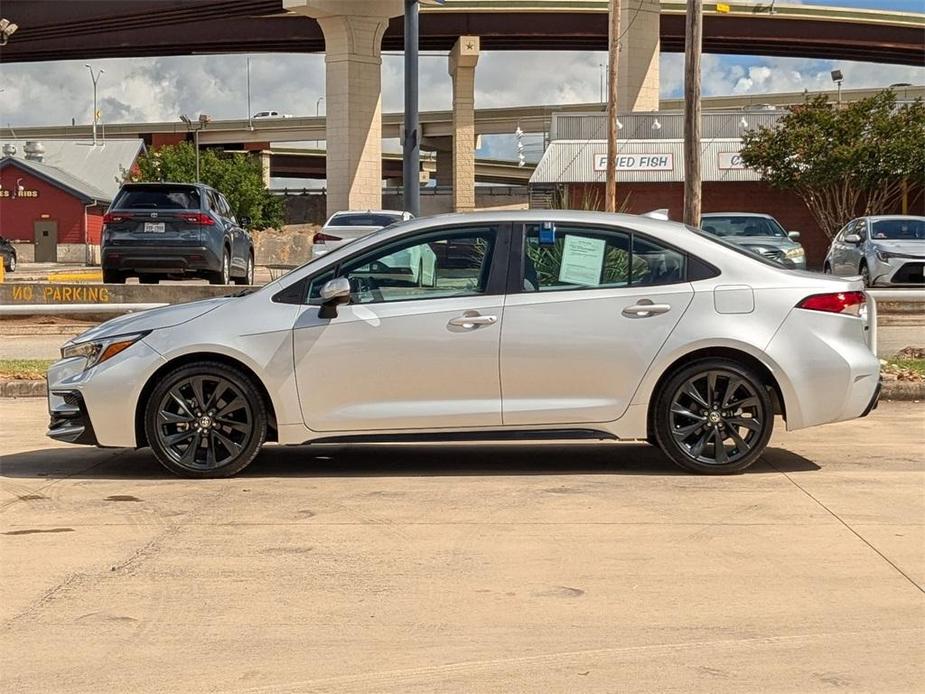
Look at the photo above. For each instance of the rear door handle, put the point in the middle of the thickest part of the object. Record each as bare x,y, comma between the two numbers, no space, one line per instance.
471,320
645,309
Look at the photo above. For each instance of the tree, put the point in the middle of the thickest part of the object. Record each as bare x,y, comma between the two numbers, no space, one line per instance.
237,176
843,162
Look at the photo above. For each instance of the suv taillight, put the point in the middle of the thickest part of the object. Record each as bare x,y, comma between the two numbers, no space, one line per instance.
198,218
324,238
115,217
850,303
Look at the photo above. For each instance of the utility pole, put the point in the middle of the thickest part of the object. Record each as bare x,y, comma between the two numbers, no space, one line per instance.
411,144
693,38
247,69
613,52
95,78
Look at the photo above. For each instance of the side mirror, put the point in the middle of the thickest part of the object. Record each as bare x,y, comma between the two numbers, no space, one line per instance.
794,235
333,293
246,222
853,238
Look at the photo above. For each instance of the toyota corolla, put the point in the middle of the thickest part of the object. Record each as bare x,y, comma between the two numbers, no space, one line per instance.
525,325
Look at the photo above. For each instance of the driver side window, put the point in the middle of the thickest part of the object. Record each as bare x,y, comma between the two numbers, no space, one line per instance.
444,264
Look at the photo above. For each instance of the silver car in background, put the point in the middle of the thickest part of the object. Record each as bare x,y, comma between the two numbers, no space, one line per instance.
344,227
494,325
886,251
758,233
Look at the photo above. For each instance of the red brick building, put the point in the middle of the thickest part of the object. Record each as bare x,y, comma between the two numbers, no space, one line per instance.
53,196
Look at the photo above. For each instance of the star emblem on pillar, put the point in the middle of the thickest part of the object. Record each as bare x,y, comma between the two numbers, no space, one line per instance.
470,46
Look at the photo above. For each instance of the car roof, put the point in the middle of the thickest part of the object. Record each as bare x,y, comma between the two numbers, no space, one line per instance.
878,217
343,212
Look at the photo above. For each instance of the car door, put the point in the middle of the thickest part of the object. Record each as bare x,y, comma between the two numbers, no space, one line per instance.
588,312
417,346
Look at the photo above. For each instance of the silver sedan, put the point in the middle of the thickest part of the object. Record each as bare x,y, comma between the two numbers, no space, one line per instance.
526,325
885,251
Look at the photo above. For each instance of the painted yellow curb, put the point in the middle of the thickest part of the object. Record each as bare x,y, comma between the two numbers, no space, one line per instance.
76,276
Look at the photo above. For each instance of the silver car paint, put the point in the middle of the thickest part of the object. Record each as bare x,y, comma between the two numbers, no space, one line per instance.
845,258
425,377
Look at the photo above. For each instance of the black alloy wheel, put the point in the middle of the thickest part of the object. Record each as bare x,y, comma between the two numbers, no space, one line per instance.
206,420
714,417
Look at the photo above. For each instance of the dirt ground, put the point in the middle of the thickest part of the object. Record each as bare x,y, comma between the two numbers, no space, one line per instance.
505,568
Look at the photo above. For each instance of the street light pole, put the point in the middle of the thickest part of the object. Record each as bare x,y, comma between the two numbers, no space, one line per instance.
411,146
95,79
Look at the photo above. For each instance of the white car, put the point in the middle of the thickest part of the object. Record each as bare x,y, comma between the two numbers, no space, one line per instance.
270,114
344,227
527,325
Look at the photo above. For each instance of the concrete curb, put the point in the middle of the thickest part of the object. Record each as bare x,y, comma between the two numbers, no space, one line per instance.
892,390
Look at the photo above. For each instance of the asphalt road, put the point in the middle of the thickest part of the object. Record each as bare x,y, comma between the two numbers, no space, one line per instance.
501,568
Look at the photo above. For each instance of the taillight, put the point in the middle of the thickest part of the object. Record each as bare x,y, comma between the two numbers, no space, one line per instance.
197,218
324,238
841,302
115,217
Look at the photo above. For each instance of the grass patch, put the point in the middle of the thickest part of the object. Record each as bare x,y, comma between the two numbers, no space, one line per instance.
25,369
905,369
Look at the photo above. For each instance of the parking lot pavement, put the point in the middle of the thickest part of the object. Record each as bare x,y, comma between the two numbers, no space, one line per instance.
466,568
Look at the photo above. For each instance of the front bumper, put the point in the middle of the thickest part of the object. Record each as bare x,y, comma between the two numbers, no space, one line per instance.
898,272
160,259
69,420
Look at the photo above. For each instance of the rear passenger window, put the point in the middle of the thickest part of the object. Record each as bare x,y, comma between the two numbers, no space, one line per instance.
581,258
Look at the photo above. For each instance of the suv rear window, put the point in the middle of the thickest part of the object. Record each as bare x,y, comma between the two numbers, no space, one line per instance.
157,198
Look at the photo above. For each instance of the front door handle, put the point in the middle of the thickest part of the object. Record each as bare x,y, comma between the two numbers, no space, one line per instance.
471,320
645,308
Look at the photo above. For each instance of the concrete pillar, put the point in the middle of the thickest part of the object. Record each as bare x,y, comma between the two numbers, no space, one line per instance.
353,96
463,59
265,167
637,81
445,170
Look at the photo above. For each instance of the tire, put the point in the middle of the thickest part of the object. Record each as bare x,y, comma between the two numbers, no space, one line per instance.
864,271
113,277
248,273
11,264
827,269
223,275
686,431
185,426
148,279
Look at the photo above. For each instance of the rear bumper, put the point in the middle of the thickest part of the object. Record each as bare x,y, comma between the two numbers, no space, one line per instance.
875,399
160,259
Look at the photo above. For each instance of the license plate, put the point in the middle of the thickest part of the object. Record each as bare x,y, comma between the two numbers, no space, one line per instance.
154,227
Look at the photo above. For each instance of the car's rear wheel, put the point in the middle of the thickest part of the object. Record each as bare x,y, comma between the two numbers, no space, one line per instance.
248,273
714,417
205,420
223,275
113,277
11,264
148,279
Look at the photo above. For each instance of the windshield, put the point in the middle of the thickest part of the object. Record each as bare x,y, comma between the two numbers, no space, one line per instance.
364,219
899,229
733,225
157,198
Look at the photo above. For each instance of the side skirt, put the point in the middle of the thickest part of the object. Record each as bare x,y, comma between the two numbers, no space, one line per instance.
473,436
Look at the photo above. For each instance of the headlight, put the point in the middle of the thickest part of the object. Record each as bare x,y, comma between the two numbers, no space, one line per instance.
884,255
98,351
796,252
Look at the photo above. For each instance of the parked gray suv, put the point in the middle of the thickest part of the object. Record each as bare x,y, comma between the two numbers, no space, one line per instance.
174,230
758,233
885,251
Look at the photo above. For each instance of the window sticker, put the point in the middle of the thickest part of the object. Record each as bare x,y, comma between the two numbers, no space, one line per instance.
582,260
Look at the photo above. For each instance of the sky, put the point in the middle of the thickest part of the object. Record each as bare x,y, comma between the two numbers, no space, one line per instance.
159,89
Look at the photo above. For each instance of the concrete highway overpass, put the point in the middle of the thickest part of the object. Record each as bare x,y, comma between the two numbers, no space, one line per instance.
85,29
435,124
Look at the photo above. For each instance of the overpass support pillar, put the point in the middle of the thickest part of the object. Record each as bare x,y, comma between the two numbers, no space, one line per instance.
637,81
353,95
463,59
265,167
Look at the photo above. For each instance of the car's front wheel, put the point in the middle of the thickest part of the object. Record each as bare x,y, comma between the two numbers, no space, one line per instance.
865,274
248,273
11,264
205,420
714,417
113,277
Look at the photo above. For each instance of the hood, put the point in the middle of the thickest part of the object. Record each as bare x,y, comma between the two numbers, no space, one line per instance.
152,319
766,241
906,247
